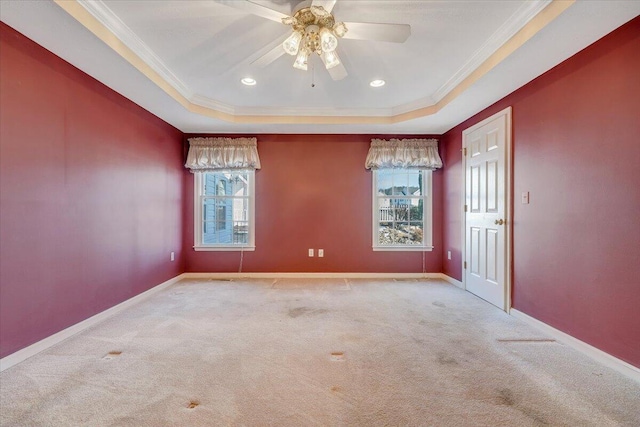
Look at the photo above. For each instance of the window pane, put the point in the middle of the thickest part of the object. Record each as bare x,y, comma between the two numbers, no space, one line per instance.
415,233
240,232
385,181
416,210
209,213
400,181
415,183
401,233
385,234
401,209
385,210
239,185
240,209
216,184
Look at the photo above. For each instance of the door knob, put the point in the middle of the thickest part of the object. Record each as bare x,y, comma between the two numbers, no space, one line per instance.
499,221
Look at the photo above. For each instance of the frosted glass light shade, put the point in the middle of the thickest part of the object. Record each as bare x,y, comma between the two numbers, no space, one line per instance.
330,59
328,41
292,43
340,29
301,60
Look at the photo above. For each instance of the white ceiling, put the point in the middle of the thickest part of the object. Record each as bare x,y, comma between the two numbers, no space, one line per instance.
201,49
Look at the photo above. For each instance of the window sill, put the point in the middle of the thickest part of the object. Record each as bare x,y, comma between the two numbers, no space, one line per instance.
224,248
403,248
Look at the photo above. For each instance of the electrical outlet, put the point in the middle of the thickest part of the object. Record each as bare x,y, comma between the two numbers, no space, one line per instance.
448,254
173,256
320,253
311,252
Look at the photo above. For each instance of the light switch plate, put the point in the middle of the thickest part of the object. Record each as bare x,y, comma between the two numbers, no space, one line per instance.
525,198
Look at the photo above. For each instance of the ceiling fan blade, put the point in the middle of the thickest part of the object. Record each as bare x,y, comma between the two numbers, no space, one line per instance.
254,9
269,57
326,4
395,33
338,72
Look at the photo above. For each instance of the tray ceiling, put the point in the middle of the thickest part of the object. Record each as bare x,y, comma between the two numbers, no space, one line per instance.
183,60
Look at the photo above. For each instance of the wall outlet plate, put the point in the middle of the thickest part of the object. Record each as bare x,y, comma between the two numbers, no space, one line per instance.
310,252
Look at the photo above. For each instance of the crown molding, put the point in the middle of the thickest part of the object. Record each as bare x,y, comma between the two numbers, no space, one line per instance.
96,17
114,24
510,28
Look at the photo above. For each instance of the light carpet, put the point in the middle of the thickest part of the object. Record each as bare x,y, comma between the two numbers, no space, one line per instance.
322,352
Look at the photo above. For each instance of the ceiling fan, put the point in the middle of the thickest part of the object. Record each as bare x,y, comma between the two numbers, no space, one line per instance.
315,30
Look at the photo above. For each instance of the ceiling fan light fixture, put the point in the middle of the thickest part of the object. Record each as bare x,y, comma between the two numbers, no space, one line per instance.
339,29
328,41
292,43
330,59
319,11
301,60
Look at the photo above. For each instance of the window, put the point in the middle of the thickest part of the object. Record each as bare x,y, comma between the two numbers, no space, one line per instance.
402,209
224,210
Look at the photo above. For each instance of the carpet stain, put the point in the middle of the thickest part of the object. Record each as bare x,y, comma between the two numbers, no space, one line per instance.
445,359
337,356
336,389
112,354
193,404
439,304
306,311
506,397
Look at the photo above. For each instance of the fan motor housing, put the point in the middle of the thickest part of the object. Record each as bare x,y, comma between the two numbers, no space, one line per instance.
304,17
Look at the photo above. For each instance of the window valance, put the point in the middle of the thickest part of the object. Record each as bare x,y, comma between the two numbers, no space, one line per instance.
210,154
403,154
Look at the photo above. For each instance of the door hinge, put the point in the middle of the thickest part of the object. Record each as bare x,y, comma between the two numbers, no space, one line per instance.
465,265
465,208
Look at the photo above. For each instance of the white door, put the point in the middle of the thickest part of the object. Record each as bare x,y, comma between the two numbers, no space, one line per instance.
485,148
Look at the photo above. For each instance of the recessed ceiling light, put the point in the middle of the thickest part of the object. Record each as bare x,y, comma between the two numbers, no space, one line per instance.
248,81
377,83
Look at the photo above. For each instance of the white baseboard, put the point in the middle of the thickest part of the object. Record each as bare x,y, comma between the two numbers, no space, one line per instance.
312,275
453,281
21,355
606,359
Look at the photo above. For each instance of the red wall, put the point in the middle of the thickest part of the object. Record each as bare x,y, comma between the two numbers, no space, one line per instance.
90,195
314,192
576,148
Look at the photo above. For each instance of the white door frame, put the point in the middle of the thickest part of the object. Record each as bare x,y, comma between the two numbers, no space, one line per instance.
508,209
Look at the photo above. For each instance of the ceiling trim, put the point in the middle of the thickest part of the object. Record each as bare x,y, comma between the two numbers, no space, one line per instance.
96,17
510,28
114,24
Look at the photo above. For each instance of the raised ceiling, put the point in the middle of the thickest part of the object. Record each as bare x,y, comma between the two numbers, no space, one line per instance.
183,60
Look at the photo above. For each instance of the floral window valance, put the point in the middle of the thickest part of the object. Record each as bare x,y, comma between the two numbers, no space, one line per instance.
210,154
403,154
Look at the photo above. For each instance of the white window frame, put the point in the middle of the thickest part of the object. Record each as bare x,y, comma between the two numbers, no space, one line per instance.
427,217
198,195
